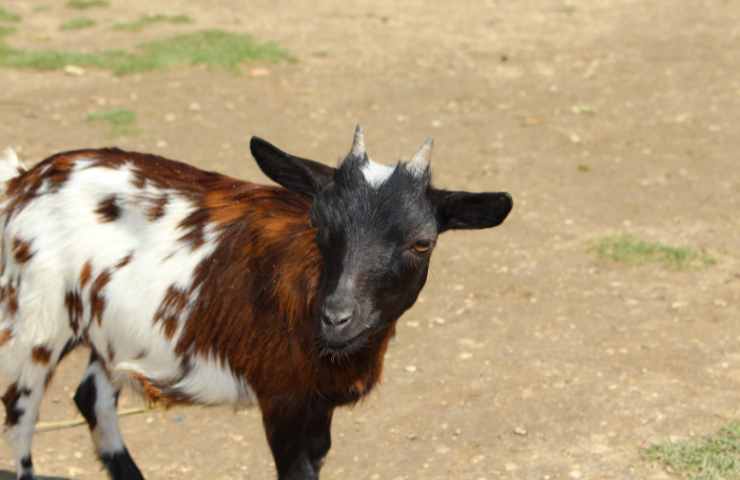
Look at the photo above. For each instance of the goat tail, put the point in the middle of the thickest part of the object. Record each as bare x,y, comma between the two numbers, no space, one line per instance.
10,166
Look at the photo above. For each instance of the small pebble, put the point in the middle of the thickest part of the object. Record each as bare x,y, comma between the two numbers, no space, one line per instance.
520,431
511,467
259,72
410,368
74,70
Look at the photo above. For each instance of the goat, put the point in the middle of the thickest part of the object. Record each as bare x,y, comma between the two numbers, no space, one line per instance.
197,288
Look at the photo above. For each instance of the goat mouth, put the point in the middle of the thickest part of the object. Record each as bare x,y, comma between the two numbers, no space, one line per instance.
338,349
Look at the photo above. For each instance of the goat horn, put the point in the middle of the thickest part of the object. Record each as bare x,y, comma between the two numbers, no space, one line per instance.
421,160
358,143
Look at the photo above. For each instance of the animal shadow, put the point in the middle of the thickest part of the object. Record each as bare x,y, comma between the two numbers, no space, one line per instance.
6,475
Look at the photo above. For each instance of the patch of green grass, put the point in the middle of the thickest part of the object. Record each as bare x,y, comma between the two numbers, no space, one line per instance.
5,31
8,16
55,59
631,250
147,20
78,23
85,4
214,48
714,457
120,120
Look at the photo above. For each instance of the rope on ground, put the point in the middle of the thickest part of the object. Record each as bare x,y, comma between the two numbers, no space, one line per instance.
63,424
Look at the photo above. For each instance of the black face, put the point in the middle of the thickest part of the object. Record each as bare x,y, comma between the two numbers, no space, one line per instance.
376,241
376,229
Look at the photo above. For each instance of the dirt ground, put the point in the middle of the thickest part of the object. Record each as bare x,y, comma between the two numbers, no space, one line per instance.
526,357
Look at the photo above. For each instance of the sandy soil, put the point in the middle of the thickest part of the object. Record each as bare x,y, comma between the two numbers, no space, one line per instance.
533,359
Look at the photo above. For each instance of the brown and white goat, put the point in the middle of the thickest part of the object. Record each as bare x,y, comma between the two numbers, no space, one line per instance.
195,287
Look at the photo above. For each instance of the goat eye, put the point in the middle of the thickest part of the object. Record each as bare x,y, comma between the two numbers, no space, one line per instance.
422,246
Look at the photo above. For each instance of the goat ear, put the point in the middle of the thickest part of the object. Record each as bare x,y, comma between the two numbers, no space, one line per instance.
294,173
465,210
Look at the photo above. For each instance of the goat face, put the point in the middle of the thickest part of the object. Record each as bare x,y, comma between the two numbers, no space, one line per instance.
375,241
376,227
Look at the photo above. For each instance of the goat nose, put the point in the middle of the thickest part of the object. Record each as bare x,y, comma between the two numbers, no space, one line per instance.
336,317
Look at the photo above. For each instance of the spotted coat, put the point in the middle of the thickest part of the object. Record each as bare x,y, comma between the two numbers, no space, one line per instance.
149,261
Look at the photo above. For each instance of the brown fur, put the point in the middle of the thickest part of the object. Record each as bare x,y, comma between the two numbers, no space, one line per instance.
169,311
97,300
85,274
41,355
151,393
22,250
124,261
9,298
108,210
163,173
194,224
24,188
5,336
12,300
10,400
73,302
156,210
256,303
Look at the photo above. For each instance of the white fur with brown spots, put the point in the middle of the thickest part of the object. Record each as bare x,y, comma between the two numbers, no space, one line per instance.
66,233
